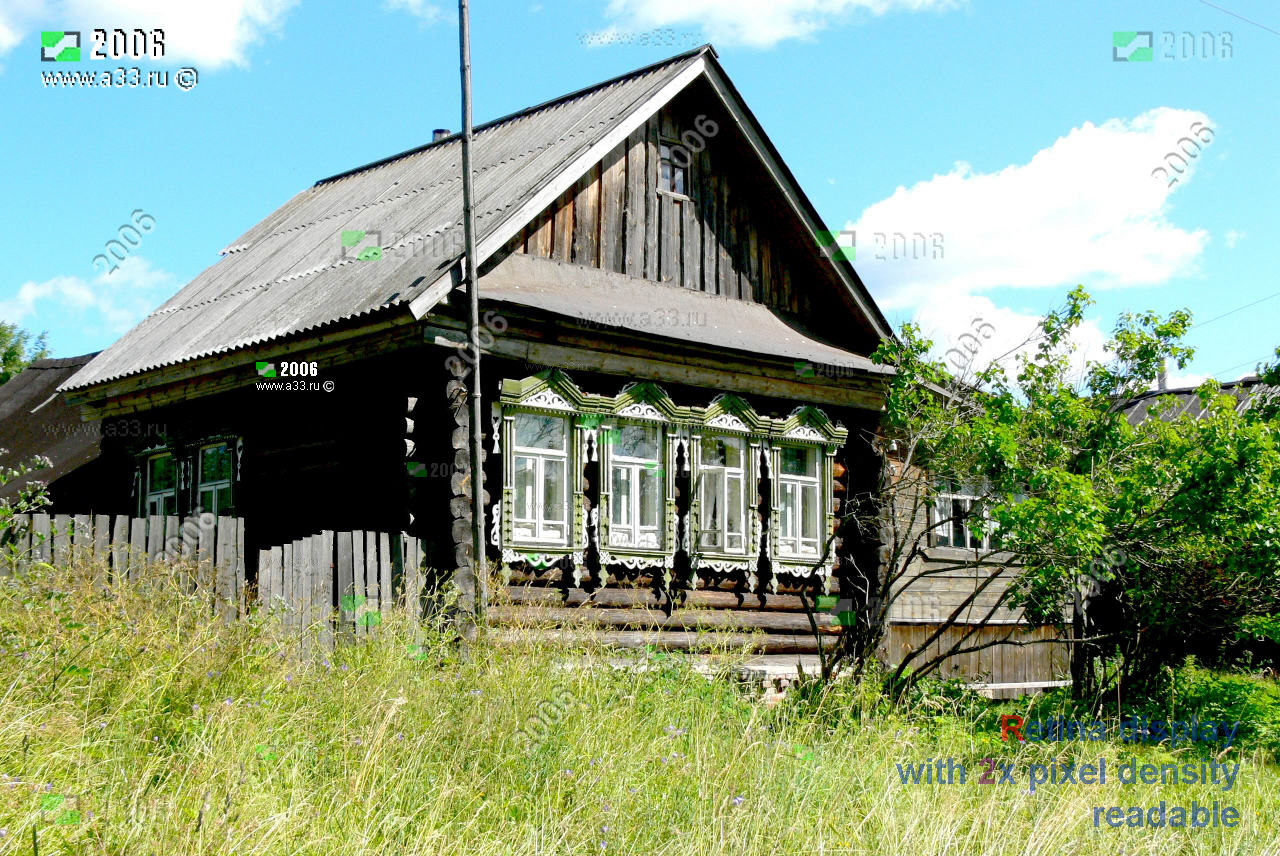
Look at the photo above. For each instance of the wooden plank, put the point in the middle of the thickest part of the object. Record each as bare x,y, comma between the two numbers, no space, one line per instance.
651,200
683,619
361,577
266,569
730,263
224,587
41,537
539,243
691,235
289,585
767,284
395,546
303,550
206,549
754,292
189,537
372,583
669,218
634,212
346,581
80,538
385,570
706,215
171,540
586,219
413,574
61,539
137,547
613,198
155,537
562,228
119,549
101,538
324,586
241,571
765,643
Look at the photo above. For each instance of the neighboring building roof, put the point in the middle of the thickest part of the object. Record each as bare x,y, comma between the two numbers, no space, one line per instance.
1245,390
287,276
35,420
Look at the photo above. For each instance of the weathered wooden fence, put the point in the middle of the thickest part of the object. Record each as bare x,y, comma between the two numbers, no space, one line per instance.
337,580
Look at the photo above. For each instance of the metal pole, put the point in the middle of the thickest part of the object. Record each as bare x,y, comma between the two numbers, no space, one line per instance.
471,280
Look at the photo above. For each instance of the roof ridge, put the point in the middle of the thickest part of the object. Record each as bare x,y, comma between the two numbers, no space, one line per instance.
511,117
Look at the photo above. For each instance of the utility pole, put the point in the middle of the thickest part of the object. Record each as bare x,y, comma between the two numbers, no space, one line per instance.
476,581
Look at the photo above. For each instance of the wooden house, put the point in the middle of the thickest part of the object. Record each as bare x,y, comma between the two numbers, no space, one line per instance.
675,366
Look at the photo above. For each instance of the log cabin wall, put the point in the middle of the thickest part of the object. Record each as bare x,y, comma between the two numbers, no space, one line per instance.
729,234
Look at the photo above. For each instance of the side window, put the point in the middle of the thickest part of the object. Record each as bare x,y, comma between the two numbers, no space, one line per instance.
799,502
213,492
540,460
958,519
721,495
160,485
672,177
636,482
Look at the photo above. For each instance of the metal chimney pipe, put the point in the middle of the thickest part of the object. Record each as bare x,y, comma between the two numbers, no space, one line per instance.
439,134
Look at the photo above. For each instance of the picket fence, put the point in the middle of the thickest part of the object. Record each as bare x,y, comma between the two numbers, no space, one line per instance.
343,581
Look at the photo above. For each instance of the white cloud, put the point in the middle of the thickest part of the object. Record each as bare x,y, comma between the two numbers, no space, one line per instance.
757,23
206,33
112,301
970,332
1233,237
428,12
1085,209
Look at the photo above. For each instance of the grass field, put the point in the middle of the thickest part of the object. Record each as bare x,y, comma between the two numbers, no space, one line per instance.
134,724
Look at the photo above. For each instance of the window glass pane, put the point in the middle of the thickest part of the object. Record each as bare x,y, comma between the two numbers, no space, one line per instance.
664,151
650,497
524,484
713,452
637,441
677,182
798,461
665,179
732,453
621,496
215,463
535,431
809,507
942,508
788,516
553,492
957,527
712,491
733,513
171,504
160,473
224,500
207,499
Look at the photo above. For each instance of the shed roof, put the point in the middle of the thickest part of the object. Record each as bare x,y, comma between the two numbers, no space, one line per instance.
35,420
1246,390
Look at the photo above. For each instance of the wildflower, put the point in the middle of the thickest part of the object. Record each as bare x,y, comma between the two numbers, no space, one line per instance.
344,667
568,772
227,702
674,732
288,679
473,692
739,799
358,741
195,708
3,832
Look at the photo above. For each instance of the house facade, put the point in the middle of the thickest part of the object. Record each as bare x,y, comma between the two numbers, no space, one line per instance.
676,372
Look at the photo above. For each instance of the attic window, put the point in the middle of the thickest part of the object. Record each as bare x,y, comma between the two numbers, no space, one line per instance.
672,177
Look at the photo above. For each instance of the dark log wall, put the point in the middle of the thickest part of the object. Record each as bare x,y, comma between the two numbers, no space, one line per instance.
730,235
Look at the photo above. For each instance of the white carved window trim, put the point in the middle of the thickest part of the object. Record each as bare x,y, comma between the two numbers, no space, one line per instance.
741,473
634,467
794,546
540,457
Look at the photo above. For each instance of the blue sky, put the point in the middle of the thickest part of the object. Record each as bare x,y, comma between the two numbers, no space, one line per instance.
1005,128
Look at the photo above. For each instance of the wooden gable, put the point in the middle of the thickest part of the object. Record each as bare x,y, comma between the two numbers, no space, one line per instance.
731,233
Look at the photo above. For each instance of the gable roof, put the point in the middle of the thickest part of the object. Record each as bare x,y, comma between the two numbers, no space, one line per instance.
287,276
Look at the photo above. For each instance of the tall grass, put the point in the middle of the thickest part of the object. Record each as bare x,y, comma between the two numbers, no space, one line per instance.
131,722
